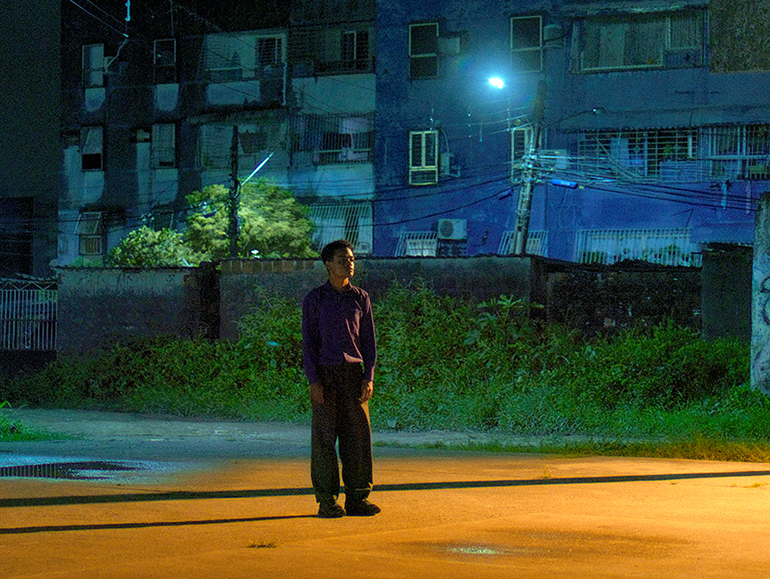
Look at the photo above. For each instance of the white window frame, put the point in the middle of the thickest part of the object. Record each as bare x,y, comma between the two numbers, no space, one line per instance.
521,51
521,149
163,146
93,65
423,157
92,148
609,41
418,55
417,244
351,47
90,231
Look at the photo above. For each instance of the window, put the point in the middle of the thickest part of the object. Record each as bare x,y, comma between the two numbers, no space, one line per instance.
163,146
354,50
670,40
527,43
423,157
417,244
639,154
91,233
91,148
331,139
216,141
93,65
740,151
243,56
351,221
423,50
661,246
521,147
165,61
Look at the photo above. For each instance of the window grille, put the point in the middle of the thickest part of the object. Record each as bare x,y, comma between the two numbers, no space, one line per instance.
423,50
332,139
641,154
537,243
660,246
628,41
417,244
676,155
28,312
90,230
527,43
423,157
740,151
352,221
164,52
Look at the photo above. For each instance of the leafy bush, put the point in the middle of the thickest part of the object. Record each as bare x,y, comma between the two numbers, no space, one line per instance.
444,364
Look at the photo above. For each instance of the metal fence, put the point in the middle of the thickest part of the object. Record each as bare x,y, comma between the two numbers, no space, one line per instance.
28,312
659,246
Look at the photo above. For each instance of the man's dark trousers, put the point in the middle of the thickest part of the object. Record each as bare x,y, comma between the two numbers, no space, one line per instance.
341,418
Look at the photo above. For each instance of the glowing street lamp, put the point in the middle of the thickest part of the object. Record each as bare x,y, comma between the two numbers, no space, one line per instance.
497,82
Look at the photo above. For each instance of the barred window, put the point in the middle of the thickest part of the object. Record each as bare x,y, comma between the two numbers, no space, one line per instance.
332,139
654,40
635,154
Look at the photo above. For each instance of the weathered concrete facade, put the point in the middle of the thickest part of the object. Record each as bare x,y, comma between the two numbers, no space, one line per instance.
760,311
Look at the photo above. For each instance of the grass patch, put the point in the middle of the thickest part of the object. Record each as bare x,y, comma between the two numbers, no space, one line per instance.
16,430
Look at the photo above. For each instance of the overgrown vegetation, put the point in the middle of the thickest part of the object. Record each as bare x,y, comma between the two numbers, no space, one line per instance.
271,224
444,364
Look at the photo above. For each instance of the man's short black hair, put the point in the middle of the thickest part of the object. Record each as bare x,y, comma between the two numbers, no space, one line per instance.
327,253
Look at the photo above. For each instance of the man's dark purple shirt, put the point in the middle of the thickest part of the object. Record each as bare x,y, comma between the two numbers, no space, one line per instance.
337,327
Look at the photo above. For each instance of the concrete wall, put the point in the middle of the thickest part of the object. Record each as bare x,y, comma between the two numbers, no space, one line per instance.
726,295
760,303
243,282
98,307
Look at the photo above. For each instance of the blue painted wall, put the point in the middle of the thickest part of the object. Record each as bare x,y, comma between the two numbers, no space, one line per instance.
473,119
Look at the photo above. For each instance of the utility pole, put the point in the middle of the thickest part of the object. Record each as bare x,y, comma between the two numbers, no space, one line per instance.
524,209
235,191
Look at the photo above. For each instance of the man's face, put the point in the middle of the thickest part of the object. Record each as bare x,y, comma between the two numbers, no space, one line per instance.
342,264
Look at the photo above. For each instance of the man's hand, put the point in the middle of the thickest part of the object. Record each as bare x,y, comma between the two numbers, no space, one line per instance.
367,389
317,393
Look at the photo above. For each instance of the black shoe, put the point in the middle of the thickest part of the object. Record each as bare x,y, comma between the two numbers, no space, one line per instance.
361,508
330,510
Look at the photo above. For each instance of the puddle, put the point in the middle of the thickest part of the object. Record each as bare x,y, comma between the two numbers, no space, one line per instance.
120,471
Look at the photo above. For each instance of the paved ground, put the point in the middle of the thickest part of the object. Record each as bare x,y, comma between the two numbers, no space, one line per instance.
231,500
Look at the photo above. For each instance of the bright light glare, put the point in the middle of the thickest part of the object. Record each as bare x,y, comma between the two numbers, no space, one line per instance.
497,82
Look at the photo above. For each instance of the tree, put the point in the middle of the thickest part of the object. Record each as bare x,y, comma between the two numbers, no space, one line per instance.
145,247
272,224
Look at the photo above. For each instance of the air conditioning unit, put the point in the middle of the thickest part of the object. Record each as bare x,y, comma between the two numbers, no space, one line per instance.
452,229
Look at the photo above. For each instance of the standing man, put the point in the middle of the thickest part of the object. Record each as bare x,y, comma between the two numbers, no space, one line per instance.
339,353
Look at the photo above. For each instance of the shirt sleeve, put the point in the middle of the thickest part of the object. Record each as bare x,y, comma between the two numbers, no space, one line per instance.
311,339
368,340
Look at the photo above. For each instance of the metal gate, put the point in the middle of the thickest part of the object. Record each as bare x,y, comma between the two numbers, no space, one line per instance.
28,315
